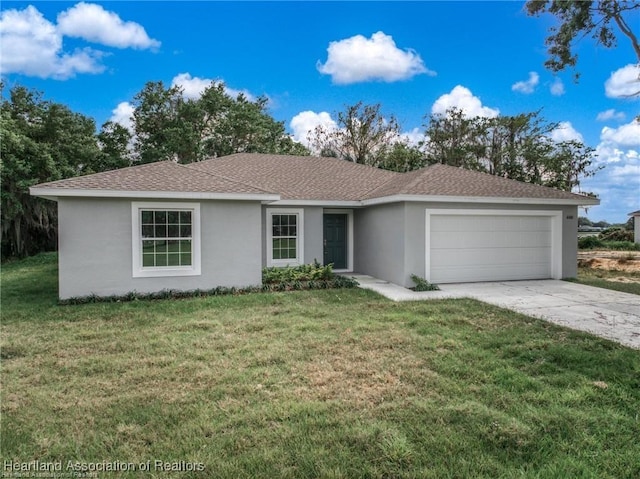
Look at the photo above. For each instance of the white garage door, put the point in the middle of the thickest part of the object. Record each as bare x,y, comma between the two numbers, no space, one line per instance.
468,248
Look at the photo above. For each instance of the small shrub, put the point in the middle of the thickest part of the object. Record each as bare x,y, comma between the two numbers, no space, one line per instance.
590,242
422,284
305,272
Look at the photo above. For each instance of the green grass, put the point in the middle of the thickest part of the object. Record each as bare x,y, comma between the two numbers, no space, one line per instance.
609,279
327,384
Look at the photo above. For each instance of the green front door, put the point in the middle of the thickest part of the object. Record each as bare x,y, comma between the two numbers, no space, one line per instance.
335,240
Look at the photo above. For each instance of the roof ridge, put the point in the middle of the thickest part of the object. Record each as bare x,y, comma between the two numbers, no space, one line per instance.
233,180
418,177
398,174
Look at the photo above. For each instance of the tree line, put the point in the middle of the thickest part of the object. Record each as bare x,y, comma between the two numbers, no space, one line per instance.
45,141
520,147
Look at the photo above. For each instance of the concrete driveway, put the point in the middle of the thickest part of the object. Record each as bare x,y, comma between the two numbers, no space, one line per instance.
605,313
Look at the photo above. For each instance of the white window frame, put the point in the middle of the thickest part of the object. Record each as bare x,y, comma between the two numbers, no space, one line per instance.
299,259
139,271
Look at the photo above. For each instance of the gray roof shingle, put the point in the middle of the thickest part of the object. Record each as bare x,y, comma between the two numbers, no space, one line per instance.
300,177
445,180
304,178
166,176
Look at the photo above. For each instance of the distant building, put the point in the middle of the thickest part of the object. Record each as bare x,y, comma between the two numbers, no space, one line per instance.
589,229
636,225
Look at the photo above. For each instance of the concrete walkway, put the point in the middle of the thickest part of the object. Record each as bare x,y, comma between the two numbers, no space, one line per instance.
605,313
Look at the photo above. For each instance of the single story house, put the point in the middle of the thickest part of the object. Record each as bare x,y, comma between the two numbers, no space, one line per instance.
636,226
219,222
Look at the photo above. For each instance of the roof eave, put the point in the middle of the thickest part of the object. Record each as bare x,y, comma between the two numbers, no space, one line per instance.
481,199
55,193
325,203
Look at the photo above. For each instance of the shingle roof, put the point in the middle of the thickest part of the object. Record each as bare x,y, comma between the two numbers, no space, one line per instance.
300,177
634,213
159,176
303,178
445,180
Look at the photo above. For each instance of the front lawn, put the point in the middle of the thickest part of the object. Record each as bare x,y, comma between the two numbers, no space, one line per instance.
328,383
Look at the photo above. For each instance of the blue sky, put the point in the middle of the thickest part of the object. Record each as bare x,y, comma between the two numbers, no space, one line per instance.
313,58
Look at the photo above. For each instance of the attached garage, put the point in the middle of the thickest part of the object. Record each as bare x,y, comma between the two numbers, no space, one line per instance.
492,245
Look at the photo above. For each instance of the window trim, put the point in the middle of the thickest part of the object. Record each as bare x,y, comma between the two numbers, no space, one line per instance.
299,259
139,271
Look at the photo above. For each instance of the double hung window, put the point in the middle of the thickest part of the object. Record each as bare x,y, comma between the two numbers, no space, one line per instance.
284,237
166,239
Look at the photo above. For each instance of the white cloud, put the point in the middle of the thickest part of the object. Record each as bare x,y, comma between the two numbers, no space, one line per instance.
307,121
623,82
193,87
557,87
358,59
413,137
123,114
610,114
93,23
31,45
566,132
618,183
527,87
625,135
462,98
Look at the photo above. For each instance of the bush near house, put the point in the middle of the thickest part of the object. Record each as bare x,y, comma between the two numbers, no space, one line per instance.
293,278
422,284
305,272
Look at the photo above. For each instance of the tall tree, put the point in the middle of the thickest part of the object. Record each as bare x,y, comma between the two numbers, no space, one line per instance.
115,144
518,147
579,18
170,126
157,125
41,141
403,157
363,135
455,139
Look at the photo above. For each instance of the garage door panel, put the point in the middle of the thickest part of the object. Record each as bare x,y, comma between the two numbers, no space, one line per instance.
505,272
480,247
490,239
460,223
486,257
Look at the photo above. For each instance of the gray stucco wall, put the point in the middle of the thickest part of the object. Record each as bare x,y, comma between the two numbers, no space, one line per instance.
390,239
379,242
95,250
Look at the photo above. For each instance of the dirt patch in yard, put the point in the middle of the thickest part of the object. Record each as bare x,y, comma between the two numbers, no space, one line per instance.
623,261
363,370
